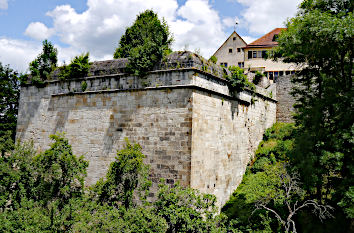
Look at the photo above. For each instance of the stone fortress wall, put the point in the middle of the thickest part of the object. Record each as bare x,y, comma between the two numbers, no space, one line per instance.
191,127
285,100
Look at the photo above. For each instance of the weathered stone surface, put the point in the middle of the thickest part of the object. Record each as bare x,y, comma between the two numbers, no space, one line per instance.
225,134
175,60
190,126
186,59
285,100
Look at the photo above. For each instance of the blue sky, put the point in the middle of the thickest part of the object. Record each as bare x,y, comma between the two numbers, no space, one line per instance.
95,26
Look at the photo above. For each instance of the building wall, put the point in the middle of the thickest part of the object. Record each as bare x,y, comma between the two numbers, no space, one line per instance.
232,59
266,64
190,127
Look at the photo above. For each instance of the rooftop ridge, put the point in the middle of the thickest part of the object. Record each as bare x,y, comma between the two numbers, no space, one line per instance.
266,40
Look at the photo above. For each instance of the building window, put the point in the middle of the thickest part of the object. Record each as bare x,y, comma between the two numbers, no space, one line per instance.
257,54
230,50
234,38
281,73
270,75
223,64
287,72
241,64
276,75
238,50
254,54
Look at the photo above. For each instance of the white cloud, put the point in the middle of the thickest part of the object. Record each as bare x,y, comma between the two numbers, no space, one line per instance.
199,27
229,22
99,28
19,53
38,31
262,16
248,39
3,4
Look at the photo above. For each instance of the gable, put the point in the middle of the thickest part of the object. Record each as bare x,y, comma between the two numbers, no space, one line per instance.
230,39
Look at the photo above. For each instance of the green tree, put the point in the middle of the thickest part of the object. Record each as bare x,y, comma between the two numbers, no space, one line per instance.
125,175
17,176
44,64
187,210
270,197
92,217
144,43
44,193
29,217
262,182
320,39
9,97
59,174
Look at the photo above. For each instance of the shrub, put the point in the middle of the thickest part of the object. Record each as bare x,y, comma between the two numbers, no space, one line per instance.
213,59
258,77
83,86
78,68
238,79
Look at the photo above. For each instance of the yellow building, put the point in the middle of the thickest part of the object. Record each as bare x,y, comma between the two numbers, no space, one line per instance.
255,54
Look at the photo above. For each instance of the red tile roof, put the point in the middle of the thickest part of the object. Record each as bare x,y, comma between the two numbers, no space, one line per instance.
266,40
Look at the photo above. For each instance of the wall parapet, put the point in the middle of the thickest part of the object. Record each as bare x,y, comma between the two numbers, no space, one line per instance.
158,79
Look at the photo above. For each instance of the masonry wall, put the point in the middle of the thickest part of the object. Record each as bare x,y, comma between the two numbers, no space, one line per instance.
285,100
191,128
97,121
225,135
